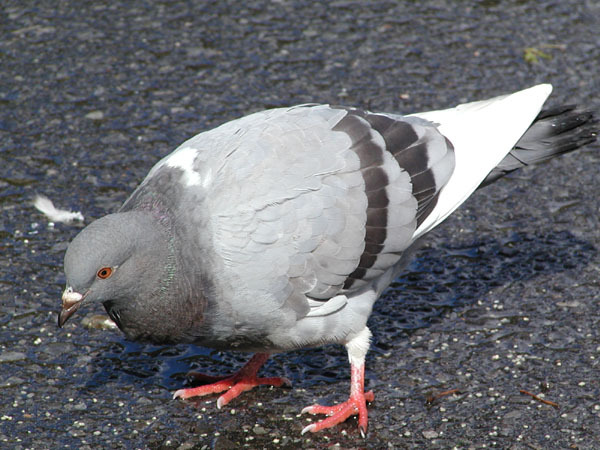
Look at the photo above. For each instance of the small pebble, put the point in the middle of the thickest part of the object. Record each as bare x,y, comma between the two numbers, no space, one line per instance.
12,356
430,434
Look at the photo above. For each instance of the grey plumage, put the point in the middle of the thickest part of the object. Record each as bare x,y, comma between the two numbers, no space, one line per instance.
279,230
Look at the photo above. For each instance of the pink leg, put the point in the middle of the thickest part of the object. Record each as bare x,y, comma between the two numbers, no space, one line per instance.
357,402
242,381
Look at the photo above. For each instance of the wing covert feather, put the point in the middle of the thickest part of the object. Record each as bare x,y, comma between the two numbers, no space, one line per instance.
311,202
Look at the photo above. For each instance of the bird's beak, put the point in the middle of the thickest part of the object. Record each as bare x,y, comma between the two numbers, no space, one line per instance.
71,301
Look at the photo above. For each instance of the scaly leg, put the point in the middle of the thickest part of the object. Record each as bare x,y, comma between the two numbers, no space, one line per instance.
242,381
357,402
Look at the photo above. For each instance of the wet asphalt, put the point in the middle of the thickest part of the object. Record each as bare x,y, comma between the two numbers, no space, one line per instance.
503,298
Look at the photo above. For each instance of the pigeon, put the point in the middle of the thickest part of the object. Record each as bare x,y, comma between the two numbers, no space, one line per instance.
279,230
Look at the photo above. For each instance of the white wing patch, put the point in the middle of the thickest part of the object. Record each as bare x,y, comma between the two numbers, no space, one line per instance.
183,159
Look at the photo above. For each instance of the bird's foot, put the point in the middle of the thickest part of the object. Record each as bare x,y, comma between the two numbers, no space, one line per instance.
356,404
235,384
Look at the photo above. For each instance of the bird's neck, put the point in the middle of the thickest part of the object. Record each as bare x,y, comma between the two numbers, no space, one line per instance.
172,307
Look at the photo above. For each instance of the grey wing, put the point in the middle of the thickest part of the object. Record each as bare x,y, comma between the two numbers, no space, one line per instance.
397,204
313,203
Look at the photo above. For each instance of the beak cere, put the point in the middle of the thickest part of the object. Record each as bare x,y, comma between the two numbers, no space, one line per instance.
71,301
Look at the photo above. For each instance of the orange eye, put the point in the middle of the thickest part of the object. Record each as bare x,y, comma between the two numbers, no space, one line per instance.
104,273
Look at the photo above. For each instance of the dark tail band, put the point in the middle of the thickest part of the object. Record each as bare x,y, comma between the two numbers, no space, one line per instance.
555,131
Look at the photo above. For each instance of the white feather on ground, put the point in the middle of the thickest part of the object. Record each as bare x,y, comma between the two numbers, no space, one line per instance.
45,205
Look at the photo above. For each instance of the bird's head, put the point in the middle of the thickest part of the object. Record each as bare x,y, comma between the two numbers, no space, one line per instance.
114,261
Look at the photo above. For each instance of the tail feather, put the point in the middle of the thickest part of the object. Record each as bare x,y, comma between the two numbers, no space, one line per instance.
555,131
482,133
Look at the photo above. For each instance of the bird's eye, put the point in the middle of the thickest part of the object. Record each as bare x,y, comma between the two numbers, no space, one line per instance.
104,273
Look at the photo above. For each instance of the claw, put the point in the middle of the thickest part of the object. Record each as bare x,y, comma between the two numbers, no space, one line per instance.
308,428
286,381
363,432
178,393
307,409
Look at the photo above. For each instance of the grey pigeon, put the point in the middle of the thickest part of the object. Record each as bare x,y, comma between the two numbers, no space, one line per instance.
279,230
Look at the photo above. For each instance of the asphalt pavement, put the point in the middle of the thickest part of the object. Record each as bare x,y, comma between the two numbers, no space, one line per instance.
502,299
